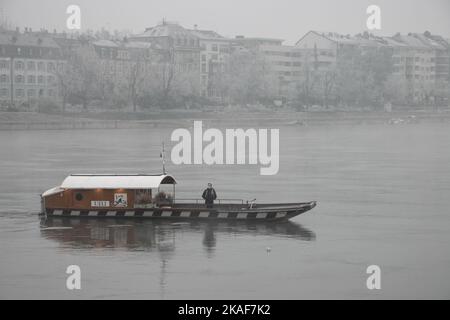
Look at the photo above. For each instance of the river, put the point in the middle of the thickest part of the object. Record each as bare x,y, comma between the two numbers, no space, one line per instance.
383,194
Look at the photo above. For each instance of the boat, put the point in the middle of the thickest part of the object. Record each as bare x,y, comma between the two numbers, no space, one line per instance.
140,196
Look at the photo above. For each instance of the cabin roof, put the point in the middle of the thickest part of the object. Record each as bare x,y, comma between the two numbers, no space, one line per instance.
114,181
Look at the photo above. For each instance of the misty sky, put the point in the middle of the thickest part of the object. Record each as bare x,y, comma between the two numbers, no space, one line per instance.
284,19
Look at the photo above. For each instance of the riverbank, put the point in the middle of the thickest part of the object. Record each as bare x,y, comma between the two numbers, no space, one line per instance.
121,120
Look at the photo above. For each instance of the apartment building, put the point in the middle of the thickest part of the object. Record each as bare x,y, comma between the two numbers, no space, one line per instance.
29,66
181,47
419,60
324,47
416,65
122,61
442,54
214,53
284,62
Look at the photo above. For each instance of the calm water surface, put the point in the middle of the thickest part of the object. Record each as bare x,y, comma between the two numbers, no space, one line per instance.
383,197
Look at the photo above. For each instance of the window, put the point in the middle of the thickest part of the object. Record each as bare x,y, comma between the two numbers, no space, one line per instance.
40,79
223,48
204,67
4,64
4,78
50,93
31,65
4,92
20,93
50,79
50,67
203,57
214,47
31,93
20,78
40,66
31,79
19,65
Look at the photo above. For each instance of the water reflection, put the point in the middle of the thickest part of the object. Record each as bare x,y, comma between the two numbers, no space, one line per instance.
158,235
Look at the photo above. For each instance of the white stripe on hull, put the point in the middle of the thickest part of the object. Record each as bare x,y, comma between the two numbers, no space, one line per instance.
203,215
281,214
129,213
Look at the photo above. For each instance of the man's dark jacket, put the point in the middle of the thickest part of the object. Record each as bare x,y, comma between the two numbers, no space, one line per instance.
209,195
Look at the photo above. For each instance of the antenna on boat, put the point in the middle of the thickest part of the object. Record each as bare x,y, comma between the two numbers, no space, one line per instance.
163,157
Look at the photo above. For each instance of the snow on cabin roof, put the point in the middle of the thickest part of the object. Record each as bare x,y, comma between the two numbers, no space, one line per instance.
52,191
111,181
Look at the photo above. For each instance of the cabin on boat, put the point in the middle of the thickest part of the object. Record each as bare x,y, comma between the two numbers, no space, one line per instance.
109,192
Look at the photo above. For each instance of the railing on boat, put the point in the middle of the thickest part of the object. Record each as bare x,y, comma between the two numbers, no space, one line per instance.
202,201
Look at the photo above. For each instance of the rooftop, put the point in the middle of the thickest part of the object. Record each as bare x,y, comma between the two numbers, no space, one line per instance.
27,40
115,181
165,29
207,34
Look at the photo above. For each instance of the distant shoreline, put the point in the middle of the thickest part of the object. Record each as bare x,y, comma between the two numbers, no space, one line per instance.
176,118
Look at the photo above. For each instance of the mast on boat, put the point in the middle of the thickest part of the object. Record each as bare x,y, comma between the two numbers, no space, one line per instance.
163,157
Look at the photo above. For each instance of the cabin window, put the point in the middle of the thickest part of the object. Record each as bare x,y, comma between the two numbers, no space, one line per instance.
79,197
143,198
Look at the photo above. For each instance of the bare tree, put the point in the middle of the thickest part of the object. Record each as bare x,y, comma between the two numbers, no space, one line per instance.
136,73
84,68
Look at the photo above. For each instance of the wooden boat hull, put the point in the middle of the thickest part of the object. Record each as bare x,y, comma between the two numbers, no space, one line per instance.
261,212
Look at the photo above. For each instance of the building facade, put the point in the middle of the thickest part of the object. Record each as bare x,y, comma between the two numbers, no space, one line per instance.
180,51
419,61
284,63
29,67
214,53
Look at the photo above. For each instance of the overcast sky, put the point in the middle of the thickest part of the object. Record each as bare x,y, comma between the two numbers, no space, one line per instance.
284,19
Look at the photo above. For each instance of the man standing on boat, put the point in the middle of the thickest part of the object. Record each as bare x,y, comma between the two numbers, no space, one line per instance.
209,195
